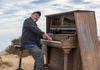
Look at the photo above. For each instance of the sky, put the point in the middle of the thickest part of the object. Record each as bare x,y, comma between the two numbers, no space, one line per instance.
14,12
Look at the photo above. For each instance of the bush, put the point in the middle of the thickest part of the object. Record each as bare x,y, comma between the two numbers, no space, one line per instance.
12,50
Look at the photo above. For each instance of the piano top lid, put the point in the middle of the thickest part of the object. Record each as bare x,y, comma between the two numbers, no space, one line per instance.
58,14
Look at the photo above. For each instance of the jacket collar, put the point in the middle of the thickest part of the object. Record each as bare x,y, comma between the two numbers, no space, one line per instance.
32,20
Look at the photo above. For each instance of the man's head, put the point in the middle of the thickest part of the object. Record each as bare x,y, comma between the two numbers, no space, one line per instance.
36,15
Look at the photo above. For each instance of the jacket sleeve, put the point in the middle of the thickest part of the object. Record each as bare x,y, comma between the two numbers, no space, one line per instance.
33,28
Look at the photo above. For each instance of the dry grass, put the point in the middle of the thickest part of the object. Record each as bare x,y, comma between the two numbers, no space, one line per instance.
10,62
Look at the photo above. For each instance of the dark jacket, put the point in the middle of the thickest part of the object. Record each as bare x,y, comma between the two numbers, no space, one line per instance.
30,32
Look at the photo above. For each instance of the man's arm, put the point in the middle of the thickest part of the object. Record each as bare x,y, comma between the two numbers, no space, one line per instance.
33,28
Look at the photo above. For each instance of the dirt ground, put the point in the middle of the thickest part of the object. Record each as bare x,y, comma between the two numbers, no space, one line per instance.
10,62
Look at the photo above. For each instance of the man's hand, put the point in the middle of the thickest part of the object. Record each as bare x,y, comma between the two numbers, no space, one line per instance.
46,36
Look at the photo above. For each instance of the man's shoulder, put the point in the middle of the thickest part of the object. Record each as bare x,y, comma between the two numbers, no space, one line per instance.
29,22
28,19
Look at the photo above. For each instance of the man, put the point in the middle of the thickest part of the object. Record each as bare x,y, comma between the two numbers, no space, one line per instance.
30,39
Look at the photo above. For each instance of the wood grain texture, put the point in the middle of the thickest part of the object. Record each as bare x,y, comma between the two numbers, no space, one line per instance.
88,40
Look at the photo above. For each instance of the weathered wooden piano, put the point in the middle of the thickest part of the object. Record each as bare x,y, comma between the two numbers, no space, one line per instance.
75,41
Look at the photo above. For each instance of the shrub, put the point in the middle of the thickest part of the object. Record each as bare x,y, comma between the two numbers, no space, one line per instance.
12,50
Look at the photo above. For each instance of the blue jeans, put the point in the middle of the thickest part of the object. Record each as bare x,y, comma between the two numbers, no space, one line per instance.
37,54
